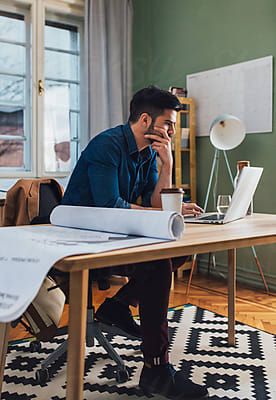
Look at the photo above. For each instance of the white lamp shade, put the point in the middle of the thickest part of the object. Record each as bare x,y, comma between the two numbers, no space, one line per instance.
227,132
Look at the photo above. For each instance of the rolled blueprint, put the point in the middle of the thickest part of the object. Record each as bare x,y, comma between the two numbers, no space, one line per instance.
150,223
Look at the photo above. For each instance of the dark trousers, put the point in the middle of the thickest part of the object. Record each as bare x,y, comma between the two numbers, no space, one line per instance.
149,287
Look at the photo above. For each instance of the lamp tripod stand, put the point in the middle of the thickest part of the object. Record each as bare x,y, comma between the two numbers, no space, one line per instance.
214,172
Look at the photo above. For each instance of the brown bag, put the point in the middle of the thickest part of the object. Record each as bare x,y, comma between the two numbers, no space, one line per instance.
44,313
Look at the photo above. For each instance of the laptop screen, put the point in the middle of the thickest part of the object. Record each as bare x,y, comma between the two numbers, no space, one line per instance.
243,193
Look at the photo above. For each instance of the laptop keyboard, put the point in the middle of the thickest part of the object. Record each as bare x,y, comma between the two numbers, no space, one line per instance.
216,217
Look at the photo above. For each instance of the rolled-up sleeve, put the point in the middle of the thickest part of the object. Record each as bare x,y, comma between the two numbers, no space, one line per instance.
103,164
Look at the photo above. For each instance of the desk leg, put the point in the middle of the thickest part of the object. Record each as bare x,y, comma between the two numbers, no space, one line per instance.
77,330
231,296
4,336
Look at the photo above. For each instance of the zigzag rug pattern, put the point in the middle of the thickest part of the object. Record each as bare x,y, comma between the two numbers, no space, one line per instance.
198,347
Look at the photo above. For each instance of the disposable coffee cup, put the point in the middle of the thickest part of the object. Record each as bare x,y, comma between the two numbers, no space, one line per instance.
171,199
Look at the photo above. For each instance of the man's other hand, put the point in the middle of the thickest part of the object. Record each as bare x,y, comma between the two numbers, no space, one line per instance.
191,208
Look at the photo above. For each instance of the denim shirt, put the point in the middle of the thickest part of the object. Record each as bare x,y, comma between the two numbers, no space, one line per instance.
111,172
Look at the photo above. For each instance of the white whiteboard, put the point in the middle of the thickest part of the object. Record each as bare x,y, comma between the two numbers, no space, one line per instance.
243,90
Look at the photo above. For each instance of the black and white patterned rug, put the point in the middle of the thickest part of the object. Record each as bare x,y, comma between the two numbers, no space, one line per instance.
198,347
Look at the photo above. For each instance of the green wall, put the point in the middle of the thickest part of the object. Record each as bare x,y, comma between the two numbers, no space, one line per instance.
173,38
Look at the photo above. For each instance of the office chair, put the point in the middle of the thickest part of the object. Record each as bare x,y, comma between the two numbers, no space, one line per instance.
49,195
94,330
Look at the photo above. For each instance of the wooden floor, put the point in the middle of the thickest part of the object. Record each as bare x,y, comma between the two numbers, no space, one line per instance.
254,307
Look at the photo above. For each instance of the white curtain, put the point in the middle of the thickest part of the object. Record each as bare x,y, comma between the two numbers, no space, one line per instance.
108,37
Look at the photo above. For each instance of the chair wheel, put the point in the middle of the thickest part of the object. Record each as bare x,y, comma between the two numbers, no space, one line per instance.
122,375
35,346
42,376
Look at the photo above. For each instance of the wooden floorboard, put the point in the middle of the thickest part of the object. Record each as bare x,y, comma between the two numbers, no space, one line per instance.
253,307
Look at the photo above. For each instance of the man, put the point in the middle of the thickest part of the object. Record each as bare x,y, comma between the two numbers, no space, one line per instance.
117,167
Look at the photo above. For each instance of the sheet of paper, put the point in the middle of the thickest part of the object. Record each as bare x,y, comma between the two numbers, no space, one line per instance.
27,253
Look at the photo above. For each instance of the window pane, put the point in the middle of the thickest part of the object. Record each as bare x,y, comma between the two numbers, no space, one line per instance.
61,37
74,152
74,96
62,97
74,124
11,153
12,27
73,92
11,90
57,128
61,65
12,58
11,121
15,91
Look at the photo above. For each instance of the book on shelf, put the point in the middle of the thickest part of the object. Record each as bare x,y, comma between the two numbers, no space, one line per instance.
178,91
185,132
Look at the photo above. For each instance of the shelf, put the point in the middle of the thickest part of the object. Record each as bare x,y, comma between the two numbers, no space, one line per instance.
187,149
186,186
185,155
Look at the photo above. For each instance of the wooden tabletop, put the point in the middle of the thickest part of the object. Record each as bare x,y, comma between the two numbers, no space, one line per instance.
257,229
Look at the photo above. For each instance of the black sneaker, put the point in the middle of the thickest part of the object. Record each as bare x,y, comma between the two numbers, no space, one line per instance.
112,312
166,381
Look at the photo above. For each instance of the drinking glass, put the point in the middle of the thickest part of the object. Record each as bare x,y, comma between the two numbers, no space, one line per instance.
223,203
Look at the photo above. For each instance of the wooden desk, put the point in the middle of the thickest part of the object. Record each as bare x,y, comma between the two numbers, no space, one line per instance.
254,230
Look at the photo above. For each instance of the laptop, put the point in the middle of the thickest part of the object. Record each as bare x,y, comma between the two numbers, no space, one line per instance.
242,196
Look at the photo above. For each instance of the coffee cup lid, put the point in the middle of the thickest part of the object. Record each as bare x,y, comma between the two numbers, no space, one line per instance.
172,190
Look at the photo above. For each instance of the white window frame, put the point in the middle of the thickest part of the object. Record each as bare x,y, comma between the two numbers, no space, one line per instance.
6,171
67,11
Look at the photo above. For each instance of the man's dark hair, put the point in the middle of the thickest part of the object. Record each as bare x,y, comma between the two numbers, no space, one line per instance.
153,101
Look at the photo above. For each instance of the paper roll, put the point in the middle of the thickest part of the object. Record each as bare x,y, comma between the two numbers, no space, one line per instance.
150,223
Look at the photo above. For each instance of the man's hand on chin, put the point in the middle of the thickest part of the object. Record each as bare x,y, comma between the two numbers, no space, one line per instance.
161,143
